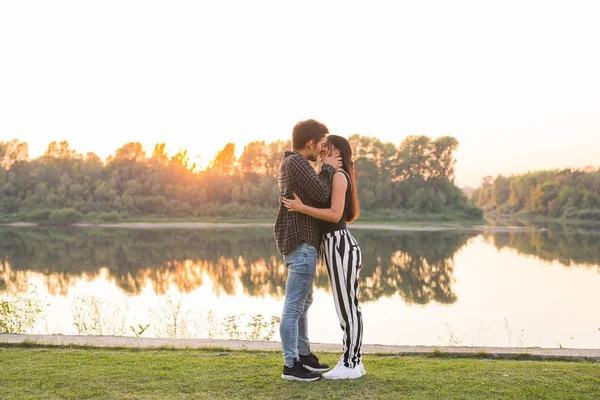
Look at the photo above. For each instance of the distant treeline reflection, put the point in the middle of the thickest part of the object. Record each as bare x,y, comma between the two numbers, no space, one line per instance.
418,266
569,247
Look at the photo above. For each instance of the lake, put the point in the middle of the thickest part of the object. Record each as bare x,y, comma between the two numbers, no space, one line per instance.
537,288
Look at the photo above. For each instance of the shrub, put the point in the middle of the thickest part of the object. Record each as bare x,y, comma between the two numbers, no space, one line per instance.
473,212
64,216
589,214
37,215
18,313
110,216
570,213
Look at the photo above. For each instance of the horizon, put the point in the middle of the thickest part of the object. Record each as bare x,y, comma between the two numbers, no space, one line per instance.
515,83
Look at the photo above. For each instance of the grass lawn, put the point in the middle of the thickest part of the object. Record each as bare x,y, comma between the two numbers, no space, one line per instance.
80,373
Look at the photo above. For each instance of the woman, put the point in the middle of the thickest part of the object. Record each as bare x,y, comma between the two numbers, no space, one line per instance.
342,257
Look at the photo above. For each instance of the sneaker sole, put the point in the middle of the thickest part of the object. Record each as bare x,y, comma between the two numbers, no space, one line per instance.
344,377
295,378
354,375
315,369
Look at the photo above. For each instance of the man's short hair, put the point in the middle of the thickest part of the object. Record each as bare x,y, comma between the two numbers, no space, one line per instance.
308,130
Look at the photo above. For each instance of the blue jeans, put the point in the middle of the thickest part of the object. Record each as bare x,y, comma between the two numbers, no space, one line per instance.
293,329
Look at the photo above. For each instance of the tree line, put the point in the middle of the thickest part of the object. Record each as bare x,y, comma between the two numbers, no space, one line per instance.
568,193
62,185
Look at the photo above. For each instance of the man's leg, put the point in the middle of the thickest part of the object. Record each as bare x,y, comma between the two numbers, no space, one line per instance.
303,342
301,264
308,359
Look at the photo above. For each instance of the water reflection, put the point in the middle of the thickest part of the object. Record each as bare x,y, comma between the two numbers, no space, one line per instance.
133,257
569,247
419,266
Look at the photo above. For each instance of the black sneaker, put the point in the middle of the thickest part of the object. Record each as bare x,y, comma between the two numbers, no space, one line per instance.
299,373
311,363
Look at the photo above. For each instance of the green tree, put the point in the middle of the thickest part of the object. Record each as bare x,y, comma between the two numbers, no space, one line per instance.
413,158
224,162
255,159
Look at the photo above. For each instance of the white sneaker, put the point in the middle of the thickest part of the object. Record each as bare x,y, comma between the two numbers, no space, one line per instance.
340,371
362,370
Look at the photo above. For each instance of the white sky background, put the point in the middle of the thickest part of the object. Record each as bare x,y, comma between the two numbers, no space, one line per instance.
516,82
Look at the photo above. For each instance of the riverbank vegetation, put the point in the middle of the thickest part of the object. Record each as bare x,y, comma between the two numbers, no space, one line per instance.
562,194
414,180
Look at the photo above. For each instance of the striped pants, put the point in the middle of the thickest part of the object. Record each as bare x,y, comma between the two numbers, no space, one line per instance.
344,260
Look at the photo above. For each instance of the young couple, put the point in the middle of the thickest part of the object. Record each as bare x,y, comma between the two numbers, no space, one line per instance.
313,212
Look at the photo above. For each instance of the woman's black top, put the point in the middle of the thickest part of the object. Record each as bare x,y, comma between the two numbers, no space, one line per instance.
326,226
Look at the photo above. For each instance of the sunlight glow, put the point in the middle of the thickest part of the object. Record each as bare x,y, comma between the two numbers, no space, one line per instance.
516,82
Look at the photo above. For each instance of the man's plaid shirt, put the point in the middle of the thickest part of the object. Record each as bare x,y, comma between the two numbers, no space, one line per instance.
296,175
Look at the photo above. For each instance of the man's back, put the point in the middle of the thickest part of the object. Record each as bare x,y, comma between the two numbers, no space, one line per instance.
296,175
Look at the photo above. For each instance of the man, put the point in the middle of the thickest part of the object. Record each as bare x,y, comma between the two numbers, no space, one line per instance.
297,237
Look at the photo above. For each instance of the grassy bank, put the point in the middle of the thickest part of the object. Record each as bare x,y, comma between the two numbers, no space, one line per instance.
70,216
378,217
78,373
233,220
533,220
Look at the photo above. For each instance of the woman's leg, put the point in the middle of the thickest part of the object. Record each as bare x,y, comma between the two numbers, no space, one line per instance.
344,260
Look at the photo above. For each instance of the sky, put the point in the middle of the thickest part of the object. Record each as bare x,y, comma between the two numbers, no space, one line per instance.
516,82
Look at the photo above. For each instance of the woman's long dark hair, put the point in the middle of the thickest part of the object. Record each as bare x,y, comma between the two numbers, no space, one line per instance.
343,146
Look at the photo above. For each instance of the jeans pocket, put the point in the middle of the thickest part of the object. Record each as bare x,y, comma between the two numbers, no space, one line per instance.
294,261
299,267
302,260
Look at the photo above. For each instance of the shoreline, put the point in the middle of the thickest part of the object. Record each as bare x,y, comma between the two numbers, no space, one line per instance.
417,227
252,345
